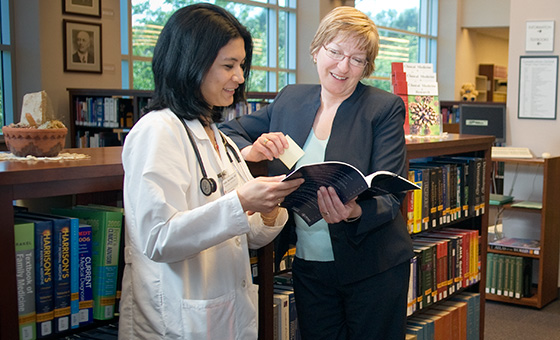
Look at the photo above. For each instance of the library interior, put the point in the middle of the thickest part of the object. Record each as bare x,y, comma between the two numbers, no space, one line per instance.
479,83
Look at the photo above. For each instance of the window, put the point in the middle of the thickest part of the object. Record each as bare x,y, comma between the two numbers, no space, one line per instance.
272,24
407,32
6,67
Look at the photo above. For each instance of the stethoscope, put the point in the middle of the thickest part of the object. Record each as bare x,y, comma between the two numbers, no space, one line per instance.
208,185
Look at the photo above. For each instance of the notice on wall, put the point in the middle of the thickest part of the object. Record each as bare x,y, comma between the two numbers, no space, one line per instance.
539,36
538,87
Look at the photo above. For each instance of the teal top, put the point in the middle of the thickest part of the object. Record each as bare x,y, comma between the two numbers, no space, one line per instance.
313,242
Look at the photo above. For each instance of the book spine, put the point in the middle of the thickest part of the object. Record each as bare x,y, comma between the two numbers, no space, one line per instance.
85,275
106,238
25,279
44,278
61,277
74,273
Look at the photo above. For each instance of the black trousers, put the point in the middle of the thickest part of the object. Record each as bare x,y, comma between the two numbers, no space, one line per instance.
370,309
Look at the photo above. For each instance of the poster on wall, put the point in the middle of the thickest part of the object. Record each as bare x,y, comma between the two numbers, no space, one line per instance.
538,87
82,47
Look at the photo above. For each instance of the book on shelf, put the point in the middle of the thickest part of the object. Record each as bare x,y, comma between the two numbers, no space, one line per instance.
416,84
347,180
25,277
44,277
527,205
85,287
473,312
497,199
106,233
519,245
61,264
293,326
283,321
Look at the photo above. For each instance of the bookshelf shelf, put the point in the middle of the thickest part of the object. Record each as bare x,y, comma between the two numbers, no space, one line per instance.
546,288
102,172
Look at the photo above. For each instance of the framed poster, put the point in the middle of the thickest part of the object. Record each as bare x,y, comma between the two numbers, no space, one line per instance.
90,8
538,87
82,46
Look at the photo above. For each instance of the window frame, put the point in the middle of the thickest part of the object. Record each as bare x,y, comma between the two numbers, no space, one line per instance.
7,51
274,80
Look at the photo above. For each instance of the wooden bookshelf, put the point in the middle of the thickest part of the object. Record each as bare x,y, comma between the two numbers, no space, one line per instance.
546,289
102,172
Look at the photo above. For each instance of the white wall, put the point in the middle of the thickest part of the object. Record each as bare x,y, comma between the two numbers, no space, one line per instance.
539,135
39,53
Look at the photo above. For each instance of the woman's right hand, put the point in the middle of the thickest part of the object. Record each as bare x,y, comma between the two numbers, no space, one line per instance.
263,194
268,146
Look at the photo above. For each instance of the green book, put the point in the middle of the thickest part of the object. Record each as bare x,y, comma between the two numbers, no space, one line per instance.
489,272
496,199
500,275
24,238
106,233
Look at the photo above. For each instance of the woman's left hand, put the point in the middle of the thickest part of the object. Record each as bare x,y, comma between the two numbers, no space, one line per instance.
333,210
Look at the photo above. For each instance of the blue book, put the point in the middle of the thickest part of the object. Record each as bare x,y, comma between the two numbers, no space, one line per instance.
85,277
473,312
106,232
61,264
44,276
292,312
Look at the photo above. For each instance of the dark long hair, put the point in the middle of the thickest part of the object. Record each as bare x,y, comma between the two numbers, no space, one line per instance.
186,49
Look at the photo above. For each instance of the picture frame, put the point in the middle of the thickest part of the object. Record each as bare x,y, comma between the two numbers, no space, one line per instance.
82,46
90,8
538,87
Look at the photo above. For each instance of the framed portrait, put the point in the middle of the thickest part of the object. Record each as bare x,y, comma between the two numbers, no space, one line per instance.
82,46
90,8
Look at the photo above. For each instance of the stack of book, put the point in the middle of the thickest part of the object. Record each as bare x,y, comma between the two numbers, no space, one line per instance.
416,84
508,275
72,258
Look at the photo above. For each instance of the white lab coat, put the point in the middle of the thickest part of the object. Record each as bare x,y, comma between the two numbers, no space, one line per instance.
187,273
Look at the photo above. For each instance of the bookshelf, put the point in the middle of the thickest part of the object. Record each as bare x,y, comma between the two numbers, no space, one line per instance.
496,80
92,180
121,109
546,288
455,144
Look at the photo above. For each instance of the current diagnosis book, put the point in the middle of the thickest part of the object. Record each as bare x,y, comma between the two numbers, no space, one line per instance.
346,179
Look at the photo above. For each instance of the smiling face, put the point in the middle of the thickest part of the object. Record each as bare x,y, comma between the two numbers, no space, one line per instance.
339,78
225,74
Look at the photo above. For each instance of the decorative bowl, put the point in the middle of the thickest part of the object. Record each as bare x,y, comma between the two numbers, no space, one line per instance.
23,142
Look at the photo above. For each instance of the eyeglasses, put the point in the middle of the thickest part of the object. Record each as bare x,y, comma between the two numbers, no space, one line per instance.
339,56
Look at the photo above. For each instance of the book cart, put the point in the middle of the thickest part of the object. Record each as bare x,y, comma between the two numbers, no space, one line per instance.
547,261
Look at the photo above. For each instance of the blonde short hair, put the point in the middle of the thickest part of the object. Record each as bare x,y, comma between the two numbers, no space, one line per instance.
349,23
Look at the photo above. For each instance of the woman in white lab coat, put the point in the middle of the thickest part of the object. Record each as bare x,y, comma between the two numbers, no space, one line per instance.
192,208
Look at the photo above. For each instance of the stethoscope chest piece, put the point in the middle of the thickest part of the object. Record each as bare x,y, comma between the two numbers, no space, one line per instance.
208,186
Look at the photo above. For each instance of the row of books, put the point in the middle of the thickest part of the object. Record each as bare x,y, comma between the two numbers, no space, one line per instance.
285,313
416,84
89,139
456,318
110,112
244,108
445,261
452,188
508,275
67,268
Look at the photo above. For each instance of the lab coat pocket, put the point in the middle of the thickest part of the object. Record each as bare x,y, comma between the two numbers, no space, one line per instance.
209,319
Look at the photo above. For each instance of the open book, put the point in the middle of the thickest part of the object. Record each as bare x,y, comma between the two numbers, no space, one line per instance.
348,182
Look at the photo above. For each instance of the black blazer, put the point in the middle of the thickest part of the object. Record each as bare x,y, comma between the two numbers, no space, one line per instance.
368,133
